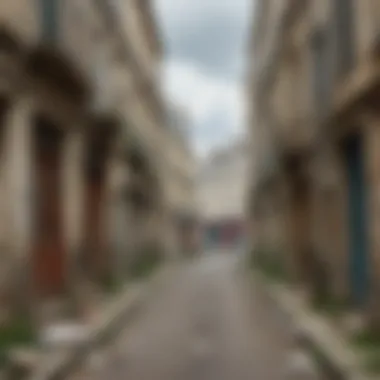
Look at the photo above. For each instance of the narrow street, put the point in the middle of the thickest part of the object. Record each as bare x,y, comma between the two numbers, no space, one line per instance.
205,323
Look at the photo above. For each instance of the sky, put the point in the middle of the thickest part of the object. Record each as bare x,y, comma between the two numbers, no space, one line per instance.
203,70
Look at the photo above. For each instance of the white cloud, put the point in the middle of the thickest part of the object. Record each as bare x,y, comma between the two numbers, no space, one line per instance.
216,106
213,32
185,84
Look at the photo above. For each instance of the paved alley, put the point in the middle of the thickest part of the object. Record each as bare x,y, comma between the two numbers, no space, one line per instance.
205,323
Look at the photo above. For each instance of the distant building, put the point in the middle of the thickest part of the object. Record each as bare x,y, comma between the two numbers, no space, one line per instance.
222,185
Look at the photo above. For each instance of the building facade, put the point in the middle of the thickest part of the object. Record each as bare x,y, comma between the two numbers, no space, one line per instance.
83,147
313,191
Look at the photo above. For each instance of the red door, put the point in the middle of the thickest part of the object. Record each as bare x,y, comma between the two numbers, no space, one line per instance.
49,251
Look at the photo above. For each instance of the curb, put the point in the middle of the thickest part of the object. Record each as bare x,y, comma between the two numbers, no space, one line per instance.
60,365
338,359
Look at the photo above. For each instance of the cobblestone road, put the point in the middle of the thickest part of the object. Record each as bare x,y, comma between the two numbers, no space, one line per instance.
205,323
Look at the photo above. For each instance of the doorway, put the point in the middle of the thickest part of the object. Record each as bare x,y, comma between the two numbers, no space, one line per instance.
49,249
357,220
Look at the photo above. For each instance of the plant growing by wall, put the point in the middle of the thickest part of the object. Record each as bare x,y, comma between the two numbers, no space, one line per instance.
268,262
145,261
18,332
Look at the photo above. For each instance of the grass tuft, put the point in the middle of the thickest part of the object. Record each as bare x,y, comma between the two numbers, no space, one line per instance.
368,342
145,262
19,332
268,263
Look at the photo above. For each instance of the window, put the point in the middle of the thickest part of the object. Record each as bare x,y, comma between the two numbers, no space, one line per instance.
49,19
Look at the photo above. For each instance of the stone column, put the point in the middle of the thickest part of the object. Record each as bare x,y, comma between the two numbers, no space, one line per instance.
18,186
73,181
117,214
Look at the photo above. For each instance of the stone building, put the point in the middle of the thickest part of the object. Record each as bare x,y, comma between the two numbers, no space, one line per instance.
313,86
221,196
83,139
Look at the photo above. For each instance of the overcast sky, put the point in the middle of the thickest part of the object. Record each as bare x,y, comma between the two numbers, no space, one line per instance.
205,54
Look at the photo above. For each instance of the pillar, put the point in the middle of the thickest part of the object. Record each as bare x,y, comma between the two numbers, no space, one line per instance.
117,223
18,186
73,182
